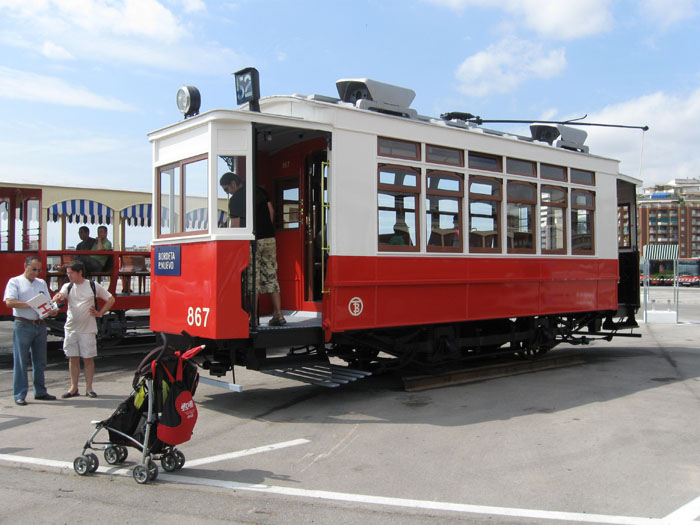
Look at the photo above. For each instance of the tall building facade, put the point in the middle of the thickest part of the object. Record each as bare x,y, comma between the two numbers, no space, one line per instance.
670,214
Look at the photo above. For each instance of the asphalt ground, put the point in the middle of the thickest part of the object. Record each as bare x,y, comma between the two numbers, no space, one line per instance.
611,440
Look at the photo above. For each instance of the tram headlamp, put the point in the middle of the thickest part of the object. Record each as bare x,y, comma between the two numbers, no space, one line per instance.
188,101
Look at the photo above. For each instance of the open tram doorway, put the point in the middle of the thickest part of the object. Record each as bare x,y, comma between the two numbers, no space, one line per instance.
291,164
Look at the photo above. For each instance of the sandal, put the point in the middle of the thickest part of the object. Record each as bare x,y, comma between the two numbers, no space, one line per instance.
277,320
91,394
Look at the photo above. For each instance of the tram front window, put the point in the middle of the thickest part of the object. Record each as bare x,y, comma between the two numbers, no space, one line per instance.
182,197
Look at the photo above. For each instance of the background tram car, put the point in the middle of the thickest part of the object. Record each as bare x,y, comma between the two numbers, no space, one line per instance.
29,214
427,240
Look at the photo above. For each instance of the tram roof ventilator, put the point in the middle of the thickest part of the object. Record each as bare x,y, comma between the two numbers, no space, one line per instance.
365,93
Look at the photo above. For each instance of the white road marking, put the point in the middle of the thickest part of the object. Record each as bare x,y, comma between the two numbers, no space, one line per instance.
683,515
248,452
686,514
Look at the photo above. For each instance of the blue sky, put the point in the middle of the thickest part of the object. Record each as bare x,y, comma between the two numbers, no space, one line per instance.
83,81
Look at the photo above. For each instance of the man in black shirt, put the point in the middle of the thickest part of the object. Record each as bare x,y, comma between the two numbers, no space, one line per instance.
86,241
266,247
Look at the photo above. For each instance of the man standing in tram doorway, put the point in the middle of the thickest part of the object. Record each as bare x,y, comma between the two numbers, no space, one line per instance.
29,334
265,244
80,338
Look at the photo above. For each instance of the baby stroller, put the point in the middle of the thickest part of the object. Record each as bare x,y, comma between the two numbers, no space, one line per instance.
159,414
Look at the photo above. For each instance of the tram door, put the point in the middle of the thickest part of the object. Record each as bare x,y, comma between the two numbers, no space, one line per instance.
315,217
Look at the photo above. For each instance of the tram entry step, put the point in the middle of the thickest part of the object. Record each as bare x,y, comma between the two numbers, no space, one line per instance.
320,374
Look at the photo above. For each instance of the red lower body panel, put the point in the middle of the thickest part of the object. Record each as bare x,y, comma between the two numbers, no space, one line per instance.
370,292
205,299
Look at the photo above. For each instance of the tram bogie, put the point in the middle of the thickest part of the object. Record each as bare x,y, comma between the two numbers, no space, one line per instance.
401,240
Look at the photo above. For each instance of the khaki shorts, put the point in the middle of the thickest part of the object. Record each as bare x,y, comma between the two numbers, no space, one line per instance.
265,267
80,345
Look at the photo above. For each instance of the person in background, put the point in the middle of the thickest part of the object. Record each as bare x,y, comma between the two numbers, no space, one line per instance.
265,244
29,334
81,328
86,241
101,244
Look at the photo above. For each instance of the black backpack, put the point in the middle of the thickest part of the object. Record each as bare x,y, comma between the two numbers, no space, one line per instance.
94,291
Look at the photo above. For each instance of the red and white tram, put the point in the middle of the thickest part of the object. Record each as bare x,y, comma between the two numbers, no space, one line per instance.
425,239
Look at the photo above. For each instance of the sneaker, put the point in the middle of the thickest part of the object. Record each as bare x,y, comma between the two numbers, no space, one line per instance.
277,321
20,402
45,397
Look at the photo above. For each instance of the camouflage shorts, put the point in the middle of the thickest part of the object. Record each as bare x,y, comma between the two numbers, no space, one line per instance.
265,267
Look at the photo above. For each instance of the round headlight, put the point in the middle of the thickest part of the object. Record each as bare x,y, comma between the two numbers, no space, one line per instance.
188,100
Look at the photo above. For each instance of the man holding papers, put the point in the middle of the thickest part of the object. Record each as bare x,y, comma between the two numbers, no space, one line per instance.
29,337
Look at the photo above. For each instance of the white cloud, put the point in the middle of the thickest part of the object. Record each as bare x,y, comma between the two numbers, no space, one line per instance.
22,85
664,14
556,19
142,32
670,145
502,67
193,6
51,50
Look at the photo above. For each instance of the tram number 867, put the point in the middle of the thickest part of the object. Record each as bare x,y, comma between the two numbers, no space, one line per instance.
197,316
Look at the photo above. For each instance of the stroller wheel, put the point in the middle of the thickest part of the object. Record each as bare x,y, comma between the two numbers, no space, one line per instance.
94,462
152,470
169,462
81,465
112,455
123,453
140,474
180,457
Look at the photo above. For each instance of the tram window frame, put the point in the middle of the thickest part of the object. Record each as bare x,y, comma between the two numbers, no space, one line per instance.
394,191
516,202
587,210
513,170
287,209
180,180
439,195
585,177
432,150
387,141
563,178
475,155
493,200
545,227
235,164
187,198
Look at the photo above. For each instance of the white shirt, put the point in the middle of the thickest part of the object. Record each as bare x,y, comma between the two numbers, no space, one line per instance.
80,299
22,289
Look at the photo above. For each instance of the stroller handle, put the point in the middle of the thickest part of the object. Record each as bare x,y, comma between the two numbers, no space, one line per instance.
193,352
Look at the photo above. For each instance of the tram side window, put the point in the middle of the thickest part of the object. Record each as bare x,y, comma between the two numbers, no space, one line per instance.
236,165
624,214
520,219
4,225
582,226
401,149
547,171
484,215
287,203
482,161
170,195
397,208
553,220
443,208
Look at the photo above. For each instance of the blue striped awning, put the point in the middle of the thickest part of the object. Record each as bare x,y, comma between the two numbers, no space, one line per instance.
660,252
198,219
137,215
81,211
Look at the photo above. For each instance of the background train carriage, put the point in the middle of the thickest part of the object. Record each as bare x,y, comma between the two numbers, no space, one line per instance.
29,214
425,239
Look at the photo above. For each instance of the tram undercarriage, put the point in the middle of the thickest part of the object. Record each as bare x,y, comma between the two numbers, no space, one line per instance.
423,349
